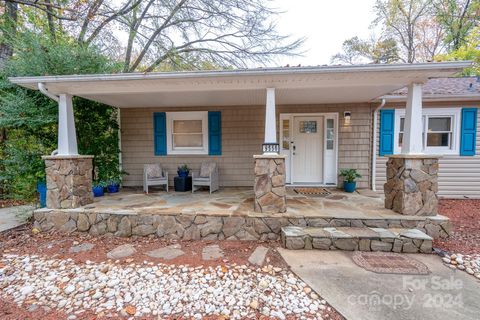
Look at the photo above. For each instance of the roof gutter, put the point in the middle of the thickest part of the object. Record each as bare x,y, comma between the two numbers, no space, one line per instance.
453,66
41,87
374,143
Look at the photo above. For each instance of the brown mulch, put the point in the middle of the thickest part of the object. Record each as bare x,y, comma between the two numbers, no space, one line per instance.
4,203
465,218
56,246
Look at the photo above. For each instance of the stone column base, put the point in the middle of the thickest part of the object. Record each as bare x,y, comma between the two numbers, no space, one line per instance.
269,187
69,181
412,185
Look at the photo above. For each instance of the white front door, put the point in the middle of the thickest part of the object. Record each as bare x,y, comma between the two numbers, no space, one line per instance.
307,149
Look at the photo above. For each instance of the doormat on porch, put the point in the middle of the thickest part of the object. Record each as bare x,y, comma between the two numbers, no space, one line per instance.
389,262
312,190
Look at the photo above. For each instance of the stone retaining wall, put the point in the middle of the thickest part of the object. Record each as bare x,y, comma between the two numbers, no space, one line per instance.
412,185
195,227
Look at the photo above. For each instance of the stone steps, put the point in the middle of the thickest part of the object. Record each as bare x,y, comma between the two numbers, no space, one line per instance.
356,239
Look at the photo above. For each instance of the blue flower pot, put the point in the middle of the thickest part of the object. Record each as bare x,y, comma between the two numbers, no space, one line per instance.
349,186
112,188
42,191
183,173
97,191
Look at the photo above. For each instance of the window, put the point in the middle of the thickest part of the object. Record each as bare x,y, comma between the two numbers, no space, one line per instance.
440,133
187,132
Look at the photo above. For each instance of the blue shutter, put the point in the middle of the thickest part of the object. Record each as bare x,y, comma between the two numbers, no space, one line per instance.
387,135
469,132
160,133
214,133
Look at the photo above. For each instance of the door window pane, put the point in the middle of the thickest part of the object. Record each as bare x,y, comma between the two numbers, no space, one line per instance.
308,126
286,134
330,134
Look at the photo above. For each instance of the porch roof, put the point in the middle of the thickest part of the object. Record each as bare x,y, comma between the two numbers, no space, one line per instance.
294,85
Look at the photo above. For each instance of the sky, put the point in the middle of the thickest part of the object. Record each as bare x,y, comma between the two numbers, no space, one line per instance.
325,24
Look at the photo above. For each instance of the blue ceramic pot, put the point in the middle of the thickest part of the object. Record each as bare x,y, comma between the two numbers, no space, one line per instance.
183,173
42,191
97,191
112,188
349,186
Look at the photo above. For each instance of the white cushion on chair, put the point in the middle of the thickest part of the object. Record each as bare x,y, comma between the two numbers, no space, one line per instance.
206,169
153,171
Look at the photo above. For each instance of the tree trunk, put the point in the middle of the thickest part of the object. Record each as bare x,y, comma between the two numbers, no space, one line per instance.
6,50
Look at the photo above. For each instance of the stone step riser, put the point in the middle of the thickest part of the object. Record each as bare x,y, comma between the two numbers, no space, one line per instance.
399,244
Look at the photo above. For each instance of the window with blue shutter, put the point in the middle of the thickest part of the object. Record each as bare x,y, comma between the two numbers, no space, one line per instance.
214,133
160,133
387,134
469,132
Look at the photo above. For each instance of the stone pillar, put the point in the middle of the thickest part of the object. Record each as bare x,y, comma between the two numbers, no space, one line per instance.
412,185
69,181
269,187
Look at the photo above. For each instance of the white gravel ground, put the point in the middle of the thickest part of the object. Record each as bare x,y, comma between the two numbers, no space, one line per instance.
157,289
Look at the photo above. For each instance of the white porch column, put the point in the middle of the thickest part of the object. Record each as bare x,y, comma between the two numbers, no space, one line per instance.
270,123
413,126
67,138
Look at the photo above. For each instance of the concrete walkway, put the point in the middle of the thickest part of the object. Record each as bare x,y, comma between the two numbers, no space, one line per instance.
360,294
12,217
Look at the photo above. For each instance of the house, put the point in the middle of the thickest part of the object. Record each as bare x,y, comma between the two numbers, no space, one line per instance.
274,127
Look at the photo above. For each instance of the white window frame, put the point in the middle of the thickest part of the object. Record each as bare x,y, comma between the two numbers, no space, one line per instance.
194,115
454,113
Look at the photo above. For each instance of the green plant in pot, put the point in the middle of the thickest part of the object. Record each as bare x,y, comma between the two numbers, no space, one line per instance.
98,187
183,170
349,176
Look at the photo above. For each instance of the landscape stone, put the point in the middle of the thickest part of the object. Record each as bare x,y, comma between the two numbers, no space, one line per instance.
258,256
167,253
212,252
84,247
121,251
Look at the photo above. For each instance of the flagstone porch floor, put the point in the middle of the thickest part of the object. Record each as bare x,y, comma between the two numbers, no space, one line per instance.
239,202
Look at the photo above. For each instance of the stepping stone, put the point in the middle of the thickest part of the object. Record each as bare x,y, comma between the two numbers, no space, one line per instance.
258,256
122,251
84,247
167,253
212,252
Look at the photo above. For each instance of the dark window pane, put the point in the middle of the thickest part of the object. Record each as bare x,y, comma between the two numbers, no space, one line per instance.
438,139
439,124
402,124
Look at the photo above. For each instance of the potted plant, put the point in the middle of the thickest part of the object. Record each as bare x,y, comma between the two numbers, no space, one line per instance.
98,187
183,170
349,177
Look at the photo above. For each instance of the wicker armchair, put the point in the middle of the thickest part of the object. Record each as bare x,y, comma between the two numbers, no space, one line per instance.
153,175
208,176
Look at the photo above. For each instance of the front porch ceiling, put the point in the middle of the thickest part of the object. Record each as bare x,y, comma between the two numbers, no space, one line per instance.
298,85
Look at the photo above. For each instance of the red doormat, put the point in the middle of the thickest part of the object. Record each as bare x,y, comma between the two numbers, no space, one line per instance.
312,190
389,262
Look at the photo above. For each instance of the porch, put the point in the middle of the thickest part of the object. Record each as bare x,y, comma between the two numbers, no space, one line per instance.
228,214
